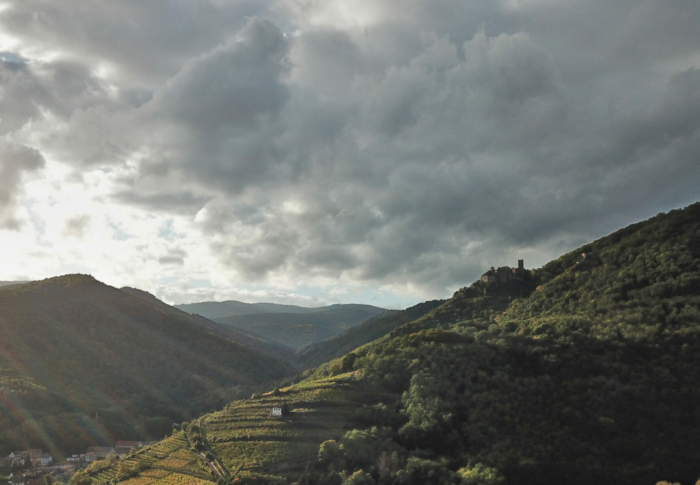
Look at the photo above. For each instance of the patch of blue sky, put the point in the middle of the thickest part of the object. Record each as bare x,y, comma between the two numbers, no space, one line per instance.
12,58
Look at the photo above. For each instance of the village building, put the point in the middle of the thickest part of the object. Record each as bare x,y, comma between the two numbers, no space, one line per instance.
95,453
29,457
276,410
44,459
123,451
504,274
19,457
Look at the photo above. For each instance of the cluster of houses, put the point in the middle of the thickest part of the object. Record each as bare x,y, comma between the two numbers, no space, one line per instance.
34,457
40,458
34,464
119,450
25,478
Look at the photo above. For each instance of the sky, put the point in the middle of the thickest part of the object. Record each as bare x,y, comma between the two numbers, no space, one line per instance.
324,151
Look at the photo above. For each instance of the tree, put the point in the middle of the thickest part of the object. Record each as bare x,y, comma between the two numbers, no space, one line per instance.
81,478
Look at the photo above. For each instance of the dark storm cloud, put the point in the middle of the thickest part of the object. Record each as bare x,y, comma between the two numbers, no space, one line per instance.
15,161
146,40
436,140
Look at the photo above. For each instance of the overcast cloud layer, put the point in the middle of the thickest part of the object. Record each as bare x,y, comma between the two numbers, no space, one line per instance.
381,151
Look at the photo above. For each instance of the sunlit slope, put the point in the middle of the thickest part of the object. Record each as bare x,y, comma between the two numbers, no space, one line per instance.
169,462
82,363
249,440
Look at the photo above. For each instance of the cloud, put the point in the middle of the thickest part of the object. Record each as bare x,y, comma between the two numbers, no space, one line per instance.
76,226
15,161
397,145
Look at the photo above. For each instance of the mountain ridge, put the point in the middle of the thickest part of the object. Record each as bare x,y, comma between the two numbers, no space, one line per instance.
222,309
71,347
298,330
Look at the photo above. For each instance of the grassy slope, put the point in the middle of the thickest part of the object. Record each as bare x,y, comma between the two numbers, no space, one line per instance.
252,444
72,346
248,439
169,462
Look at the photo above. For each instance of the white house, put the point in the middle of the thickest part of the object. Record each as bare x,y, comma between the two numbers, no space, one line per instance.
276,410
44,459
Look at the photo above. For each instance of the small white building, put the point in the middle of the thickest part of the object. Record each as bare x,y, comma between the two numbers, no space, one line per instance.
276,410
44,459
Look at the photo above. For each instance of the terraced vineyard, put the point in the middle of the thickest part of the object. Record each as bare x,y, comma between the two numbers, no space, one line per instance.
249,441
170,462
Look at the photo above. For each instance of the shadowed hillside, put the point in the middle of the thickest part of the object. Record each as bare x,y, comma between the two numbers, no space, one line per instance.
84,363
239,335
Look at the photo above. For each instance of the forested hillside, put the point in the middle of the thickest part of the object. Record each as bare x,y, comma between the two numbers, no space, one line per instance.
593,378
582,374
82,363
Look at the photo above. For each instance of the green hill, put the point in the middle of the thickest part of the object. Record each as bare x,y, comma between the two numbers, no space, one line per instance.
592,378
220,309
298,330
82,363
360,334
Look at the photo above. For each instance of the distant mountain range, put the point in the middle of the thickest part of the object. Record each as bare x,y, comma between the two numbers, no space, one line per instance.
360,334
292,326
10,283
220,309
